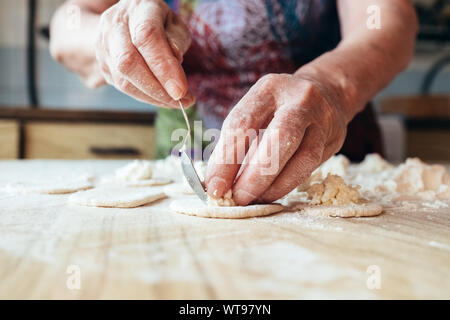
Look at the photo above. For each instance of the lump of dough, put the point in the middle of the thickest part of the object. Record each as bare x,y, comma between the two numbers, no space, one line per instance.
336,165
333,191
415,176
225,201
334,198
373,163
136,170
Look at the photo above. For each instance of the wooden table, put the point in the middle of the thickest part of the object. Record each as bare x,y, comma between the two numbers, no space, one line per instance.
152,253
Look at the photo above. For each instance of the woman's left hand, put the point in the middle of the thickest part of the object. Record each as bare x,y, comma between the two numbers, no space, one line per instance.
305,124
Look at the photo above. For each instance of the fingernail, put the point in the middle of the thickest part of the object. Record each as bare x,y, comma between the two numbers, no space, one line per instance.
173,89
216,187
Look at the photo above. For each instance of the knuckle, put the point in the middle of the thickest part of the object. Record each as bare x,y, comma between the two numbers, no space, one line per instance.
268,80
123,85
145,34
310,90
125,62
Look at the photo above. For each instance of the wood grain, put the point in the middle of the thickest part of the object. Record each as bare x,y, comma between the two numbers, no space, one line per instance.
152,253
9,139
47,140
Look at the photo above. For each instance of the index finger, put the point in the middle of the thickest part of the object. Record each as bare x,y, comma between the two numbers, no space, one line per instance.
149,38
239,129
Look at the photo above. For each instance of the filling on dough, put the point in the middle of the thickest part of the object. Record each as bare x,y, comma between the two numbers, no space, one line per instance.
336,165
135,171
225,201
333,191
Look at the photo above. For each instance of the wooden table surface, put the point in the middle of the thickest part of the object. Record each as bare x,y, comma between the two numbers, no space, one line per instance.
152,253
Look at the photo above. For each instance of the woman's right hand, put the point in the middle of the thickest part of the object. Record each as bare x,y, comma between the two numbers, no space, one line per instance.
140,46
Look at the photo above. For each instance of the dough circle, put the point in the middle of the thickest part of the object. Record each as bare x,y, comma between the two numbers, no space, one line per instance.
116,197
178,189
195,207
149,182
49,187
345,211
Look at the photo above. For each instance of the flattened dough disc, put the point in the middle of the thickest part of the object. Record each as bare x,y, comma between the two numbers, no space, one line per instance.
57,187
178,189
149,182
195,207
345,211
116,197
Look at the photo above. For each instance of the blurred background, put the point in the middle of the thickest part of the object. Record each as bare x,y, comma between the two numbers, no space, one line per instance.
46,112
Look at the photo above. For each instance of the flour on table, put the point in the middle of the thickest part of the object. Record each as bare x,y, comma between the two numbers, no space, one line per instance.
116,197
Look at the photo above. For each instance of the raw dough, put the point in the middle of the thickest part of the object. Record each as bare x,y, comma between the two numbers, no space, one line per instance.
336,165
345,211
178,189
373,163
116,197
135,174
225,201
414,177
195,207
149,182
334,198
53,187
134,171
333,191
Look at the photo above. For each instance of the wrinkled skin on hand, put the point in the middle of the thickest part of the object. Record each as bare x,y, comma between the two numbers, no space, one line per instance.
140,47
310,125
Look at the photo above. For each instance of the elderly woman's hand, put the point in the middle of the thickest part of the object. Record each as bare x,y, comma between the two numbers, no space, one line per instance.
140,47
305,125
